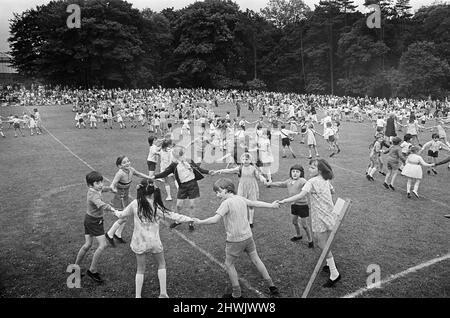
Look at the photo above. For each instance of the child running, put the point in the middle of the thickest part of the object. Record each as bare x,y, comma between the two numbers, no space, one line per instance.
323,218
147,210
413,170
300,207
93,222
233,210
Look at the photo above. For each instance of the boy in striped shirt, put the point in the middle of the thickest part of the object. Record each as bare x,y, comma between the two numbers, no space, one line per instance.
233,210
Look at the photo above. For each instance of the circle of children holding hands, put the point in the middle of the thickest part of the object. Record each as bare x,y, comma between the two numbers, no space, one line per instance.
236,211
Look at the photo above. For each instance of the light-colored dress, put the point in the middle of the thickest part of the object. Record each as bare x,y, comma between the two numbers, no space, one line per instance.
310,138
321,203
248,185
413,166
146,234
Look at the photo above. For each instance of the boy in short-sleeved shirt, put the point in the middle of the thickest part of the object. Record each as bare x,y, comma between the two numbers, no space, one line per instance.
233,210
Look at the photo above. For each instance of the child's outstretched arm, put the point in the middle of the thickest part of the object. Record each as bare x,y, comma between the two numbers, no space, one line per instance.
279,184
260,204
228,171
294,198
127,211
179,218
212,220
140,174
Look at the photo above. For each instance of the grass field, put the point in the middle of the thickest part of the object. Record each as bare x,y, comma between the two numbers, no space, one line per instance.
43,202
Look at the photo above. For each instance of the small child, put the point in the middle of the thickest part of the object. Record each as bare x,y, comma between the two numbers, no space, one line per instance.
433,147
286,140
395,156
153,153
16,124
166,159
311,140
248,175
413,170
405,145
147,210
93,222
233,210
1,128
323,218
300,207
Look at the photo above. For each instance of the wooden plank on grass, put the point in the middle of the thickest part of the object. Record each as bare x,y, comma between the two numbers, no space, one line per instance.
340,208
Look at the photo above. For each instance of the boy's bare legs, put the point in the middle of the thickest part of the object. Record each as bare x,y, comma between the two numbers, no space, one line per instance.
84,249
101,246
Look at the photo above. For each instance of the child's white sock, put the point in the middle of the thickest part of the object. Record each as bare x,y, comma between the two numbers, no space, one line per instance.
372,171
113,229
168,191
333,270
120,229
162,281
139,283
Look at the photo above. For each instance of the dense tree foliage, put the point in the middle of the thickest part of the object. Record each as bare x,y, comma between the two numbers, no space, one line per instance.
214,44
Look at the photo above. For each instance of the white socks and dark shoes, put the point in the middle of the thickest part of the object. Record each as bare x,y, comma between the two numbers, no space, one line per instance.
334,274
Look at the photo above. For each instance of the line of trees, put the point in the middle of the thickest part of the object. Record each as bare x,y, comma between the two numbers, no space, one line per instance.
285,47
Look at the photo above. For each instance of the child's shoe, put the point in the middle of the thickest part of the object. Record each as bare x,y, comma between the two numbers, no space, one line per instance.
119,239
296,238
386,185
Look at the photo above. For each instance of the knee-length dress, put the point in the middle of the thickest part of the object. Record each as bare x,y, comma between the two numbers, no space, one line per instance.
323,217
413,166
248,184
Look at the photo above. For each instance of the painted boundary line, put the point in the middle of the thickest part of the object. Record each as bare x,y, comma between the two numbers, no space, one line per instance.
399,275
182,236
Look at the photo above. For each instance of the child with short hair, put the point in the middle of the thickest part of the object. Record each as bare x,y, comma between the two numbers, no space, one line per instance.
323,218
395,156
186,175
147,210
433,147
233,211
299,208
248,175
93,222
405,145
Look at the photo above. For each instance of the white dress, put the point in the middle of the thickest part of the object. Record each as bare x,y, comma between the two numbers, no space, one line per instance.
413,166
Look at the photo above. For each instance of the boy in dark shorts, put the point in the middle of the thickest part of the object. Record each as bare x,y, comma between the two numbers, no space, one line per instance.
186,174
233,211
300,208
93,222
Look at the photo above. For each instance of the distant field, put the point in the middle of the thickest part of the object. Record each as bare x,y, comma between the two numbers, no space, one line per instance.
43,202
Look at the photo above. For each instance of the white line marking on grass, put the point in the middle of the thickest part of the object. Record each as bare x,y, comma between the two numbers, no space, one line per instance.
399,275
208,255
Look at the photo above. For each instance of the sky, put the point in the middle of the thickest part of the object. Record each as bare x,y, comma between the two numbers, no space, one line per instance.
8,7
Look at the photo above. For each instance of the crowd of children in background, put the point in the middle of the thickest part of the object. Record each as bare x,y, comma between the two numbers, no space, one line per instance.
283,116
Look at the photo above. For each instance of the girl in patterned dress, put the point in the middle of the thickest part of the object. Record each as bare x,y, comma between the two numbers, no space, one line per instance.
248,186
147,210
121,184
323,217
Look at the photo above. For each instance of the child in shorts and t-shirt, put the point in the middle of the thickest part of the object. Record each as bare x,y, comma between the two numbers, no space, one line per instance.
93,222
233,211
